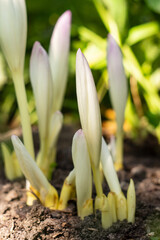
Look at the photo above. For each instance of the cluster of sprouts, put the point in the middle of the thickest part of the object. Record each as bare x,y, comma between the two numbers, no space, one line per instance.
91,157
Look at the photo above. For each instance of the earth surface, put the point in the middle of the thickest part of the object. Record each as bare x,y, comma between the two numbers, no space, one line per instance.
141,163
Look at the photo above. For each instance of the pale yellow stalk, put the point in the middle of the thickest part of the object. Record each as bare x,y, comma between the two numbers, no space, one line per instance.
68,190
131,202
112,205
121,206
23,108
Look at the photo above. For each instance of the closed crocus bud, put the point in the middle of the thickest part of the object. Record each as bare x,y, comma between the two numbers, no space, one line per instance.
88,108
13,32
83,177
108,169
42,86
117,80
58,57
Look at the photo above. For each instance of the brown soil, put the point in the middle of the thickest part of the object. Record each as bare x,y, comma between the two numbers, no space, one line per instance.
21,222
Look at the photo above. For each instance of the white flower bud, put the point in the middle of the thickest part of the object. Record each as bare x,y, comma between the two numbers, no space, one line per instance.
42,86
13,32
88,106
117,80
82,168
58,58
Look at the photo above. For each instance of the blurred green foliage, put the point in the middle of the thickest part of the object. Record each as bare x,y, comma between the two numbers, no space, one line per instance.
135,26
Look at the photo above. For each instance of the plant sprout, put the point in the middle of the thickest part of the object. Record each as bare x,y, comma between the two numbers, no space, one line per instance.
48,83
89,115
68,190
58,58
13,34
131,202
89,149
40,185
49,124
48,78
81,161
118,90
115,205
112,207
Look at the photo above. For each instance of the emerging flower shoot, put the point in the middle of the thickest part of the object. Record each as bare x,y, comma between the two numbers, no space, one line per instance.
58,58
81,161
90,117
50,82
115,205
13,34
118,92
131,202
68,190
108,169
45,192
42,86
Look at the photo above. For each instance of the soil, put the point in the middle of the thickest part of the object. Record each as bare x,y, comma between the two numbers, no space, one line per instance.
141,162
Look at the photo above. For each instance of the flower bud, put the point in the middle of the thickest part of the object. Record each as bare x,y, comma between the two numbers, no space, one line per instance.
58,58
13,32
42,86
88,106
47,193
117,80
83,178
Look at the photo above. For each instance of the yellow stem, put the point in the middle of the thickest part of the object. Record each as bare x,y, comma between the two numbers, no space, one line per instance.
97,181
119,150
23,109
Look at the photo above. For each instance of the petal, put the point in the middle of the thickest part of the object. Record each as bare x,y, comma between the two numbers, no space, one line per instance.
109,170
42,86
82,168
29,166
88,106
58,57
13,32
117,80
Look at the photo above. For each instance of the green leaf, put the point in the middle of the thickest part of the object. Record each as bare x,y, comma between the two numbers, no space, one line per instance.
154,5
90,36
150,91
95,56
108,20
118,11
142,32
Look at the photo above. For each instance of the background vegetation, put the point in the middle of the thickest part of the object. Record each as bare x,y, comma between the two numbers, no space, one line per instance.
134,23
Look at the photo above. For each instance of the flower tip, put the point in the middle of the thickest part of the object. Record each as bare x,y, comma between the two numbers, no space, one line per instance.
80,132
111,42
109,36
65,19
68,15
38,51
112,48
37,46
78,135
13,138
79,54
62,27
79,51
